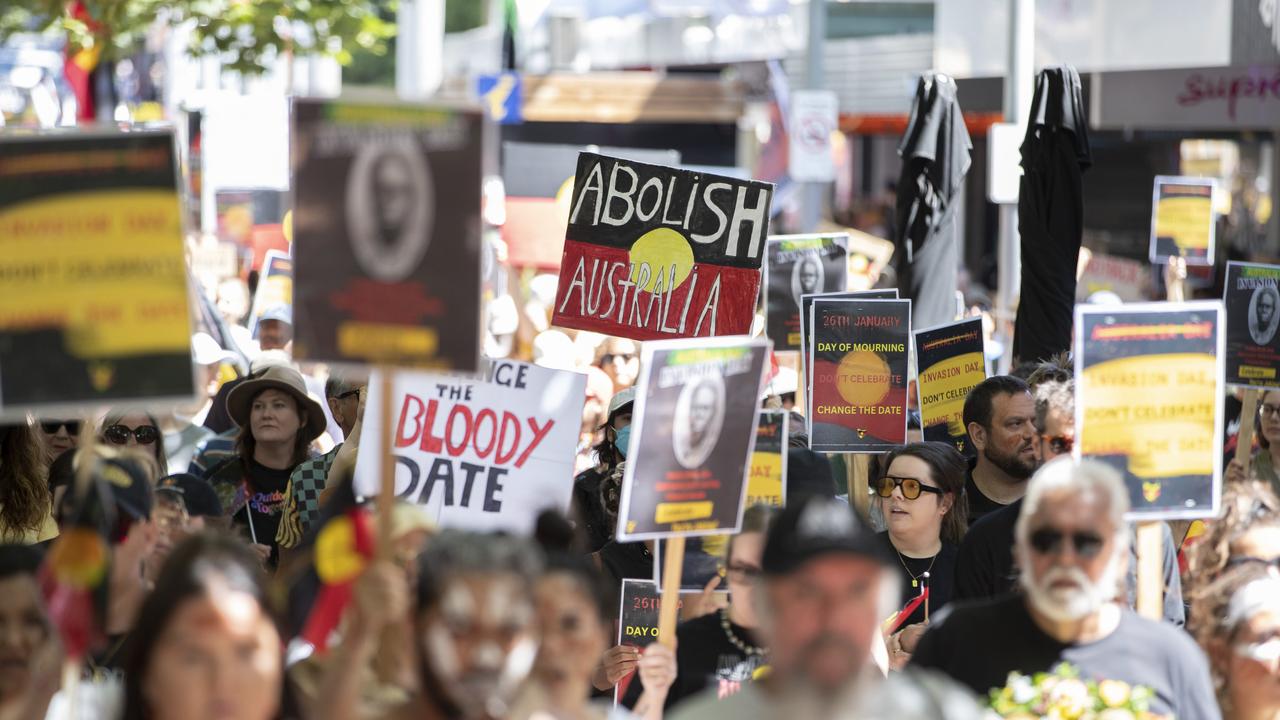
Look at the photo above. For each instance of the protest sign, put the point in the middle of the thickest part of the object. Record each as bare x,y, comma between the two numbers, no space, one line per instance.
657,252
275,287
1129,279
93,283
798,265
693,427
1149,397
1182,220
1252,298
806,317
767,478
482,455
951,363
387,227
858,387
637,622
703,558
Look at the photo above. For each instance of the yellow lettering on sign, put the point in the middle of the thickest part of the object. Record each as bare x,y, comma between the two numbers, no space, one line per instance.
380,341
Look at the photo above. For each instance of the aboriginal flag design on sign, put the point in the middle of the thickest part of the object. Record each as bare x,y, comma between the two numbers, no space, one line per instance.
657,252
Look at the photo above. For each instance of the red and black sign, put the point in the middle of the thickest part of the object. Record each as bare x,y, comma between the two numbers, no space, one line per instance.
657,252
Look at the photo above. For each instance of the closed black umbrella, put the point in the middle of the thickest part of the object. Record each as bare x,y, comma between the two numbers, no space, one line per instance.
1055,153
935,158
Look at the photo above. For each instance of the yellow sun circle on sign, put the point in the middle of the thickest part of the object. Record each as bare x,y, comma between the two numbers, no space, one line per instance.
660,248
862,378
564,198
286,226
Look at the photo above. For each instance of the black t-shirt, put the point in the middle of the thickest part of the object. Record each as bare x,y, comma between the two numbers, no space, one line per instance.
979,644
706,658
979,504
941,569
265,503
597,528
984,563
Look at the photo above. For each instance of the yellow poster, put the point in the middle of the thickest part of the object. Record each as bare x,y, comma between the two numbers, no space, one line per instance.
1182,220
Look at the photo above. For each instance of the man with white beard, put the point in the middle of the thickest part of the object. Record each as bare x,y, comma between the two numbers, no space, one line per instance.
1072,546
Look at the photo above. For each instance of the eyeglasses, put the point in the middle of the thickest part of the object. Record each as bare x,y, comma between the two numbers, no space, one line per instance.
1266,410
911,487
743,573
347,394
119,434
1266,651
1048,541
51,426
1059,444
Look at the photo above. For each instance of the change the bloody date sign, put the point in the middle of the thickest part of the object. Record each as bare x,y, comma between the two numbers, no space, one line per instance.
656,252
692,432
858,388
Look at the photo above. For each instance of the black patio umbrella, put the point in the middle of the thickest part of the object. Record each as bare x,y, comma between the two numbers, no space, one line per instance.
935,157
1055,153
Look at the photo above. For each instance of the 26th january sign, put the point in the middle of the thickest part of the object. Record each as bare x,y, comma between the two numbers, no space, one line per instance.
658,252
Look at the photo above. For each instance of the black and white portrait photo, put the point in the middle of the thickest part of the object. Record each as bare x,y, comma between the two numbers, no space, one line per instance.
807,277
1264,314
390,208
698,420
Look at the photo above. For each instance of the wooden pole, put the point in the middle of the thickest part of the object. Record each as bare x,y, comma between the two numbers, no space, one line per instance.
1151,569
858,470
1248,418
672,569
387,495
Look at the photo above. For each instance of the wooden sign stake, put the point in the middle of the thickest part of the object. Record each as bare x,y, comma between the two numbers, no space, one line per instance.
1151,569
859,470
387,493
672,570
1248,418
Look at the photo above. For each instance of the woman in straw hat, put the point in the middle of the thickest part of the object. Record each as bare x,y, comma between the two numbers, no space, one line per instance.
277,421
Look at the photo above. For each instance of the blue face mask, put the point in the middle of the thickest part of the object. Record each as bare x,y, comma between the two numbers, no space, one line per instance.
623,440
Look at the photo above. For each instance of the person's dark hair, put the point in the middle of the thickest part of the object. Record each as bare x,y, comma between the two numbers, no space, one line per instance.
554,533
19,560
606,452
157,448
245,443
590,581
455,552
193,568
1055,369
1024,368
947,468
25,499
978,404
756,518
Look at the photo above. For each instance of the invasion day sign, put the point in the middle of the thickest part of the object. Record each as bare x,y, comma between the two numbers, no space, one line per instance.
693,429
806,317
387,234
1149,397
951,362
1253,314
1182,221
479,455
275,287
767,477
93,281
798,265
858,389
656,252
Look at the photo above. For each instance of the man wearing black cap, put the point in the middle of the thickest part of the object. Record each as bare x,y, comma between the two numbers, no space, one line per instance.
827,583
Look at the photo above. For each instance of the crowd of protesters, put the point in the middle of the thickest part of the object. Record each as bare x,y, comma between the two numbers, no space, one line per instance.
194,532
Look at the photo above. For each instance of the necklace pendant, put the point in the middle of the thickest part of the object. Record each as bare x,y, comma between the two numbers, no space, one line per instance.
915,583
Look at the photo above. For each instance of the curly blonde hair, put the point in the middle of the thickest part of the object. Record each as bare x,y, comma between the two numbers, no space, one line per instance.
1245,505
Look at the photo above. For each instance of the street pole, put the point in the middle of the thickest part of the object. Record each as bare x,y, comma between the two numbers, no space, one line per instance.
811,192
419,48
1018,81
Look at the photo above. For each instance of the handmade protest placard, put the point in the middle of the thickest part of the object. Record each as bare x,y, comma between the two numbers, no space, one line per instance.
1149,398
93,281
798,265
637,622
387,234
858,387
275,287
1252,297
658,252
806,318
693,428
487,454
767,478
1182,219
951,362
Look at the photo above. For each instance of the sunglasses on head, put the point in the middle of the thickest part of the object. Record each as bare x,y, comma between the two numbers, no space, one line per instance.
911,487
119,434
1060,444
52,426
347,394
1048,541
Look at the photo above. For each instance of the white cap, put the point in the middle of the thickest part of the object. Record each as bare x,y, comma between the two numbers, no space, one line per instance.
553,349
205,350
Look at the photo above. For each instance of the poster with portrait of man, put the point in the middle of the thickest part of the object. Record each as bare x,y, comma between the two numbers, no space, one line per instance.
1252,297
1149,402
693,430
387,234
795,266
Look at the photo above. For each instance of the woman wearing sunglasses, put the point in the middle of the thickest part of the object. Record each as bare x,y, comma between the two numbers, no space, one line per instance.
921,497
1267,459
1236,619
136,429
59,436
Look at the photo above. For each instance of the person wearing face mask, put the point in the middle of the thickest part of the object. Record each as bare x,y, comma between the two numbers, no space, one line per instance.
474,630
1072,544
594,491
1237,622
